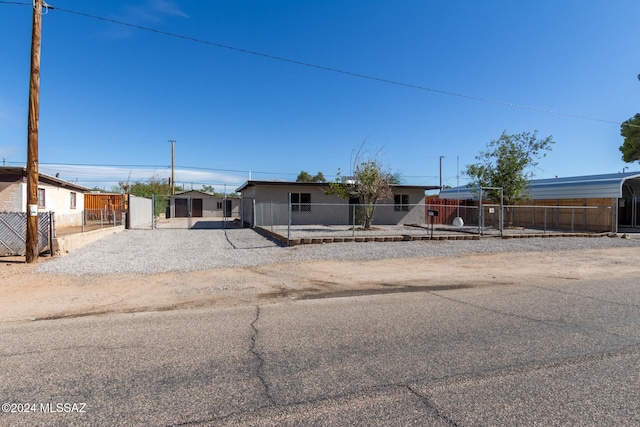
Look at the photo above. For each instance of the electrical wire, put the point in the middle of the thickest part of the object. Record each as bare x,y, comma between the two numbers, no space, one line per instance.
162,167
330,69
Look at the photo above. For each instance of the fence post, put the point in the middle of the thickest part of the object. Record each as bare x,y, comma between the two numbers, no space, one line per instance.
84,219
501,212
480,213
271,214
353,220
573,213
153,211
101,217
533,220
289,219
545,219
253,203
51,233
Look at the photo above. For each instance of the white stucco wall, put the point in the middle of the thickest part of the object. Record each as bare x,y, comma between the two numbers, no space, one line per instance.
58,200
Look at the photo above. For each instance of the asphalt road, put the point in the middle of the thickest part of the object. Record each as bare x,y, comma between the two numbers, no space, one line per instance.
567,353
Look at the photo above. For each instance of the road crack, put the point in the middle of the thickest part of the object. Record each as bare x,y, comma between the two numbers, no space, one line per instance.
432,406
258,356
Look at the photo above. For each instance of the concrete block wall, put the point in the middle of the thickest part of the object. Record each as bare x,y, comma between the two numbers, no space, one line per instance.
11,199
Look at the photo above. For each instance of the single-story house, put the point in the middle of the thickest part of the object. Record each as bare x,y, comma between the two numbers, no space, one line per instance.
202,205
267,203
618,191
64,198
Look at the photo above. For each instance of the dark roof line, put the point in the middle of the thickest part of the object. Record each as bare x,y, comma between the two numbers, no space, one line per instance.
19,170
252,183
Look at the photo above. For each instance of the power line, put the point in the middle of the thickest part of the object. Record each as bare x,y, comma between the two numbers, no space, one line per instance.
162,167
330,69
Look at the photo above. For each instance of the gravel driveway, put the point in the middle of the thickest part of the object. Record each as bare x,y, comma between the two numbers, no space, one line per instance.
161,251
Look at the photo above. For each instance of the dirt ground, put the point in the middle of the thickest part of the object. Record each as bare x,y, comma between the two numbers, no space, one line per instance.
27,295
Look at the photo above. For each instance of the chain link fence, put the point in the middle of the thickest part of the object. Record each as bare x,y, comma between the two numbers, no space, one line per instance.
325,220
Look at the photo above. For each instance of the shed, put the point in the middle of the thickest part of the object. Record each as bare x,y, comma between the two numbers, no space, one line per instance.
202,204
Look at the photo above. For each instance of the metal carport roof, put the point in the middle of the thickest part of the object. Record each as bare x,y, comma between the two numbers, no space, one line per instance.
588,186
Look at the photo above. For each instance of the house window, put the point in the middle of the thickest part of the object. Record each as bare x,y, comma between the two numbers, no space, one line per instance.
73,200
219,206
301,202
41,201
401,202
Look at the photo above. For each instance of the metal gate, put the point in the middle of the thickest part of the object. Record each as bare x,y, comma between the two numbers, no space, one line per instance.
13,233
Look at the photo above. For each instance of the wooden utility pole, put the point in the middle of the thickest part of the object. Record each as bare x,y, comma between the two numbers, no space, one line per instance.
32,250
173,178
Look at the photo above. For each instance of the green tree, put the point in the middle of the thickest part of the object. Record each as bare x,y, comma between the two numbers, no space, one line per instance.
210,189
154,186
630,131
370,183
305,176
396,179
507,163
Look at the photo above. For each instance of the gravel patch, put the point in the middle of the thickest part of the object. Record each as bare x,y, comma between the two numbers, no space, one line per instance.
163,251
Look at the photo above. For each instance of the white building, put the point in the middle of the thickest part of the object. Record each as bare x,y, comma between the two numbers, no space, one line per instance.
64,198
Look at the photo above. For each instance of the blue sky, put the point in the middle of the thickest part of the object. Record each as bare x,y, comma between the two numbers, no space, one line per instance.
114,95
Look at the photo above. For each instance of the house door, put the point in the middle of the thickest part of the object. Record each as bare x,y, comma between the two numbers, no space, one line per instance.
227,208
196,208
182,210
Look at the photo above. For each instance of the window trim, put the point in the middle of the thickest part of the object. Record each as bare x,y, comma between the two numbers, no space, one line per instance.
73,196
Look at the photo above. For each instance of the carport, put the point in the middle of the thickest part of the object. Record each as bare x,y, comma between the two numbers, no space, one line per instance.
620,191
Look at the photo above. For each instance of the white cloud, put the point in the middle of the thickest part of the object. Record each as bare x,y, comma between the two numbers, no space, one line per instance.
108,176
154,11
167,7
148,13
